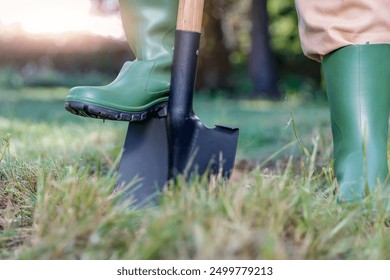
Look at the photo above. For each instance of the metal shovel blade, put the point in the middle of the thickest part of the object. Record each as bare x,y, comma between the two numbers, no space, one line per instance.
143,169
201,150
193,146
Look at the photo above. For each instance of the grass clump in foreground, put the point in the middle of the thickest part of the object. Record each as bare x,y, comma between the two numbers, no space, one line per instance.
57,200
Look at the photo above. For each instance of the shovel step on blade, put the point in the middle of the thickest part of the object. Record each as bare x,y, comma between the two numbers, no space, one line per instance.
144,162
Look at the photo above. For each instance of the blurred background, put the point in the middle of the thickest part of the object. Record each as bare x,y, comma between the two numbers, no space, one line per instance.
249,47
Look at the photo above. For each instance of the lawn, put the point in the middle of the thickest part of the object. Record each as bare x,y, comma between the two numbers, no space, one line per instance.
57,173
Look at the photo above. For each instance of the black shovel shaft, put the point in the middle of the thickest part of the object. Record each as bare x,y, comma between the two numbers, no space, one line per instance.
180,110
183,76
180,126
185,60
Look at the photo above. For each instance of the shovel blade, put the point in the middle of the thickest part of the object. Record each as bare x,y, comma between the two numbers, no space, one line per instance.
144,163
199,149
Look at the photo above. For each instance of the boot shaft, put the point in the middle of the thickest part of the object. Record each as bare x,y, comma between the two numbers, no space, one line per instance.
358,86
150,27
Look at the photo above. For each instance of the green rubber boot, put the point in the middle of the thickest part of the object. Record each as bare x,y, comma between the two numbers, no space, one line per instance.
142,86
358,86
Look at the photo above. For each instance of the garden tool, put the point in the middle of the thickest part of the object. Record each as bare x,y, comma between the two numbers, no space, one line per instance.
142,86
358,88
193,147
180,140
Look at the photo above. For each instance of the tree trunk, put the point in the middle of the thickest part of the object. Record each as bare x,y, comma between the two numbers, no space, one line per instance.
214,64
262,65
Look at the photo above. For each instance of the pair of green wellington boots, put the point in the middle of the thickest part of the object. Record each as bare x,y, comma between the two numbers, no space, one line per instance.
357,79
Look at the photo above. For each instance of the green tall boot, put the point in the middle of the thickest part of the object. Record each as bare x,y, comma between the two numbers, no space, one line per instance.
142,86
358,85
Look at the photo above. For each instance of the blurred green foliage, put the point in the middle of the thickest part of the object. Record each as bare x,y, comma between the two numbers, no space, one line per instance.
10,78
284,27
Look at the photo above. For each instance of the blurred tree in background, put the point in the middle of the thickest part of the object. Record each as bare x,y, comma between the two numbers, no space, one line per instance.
252,46
214,64
262,63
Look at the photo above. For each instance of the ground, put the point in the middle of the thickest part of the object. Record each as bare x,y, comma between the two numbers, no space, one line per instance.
57,173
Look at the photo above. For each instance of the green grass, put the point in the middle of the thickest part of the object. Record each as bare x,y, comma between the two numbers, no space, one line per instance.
57,176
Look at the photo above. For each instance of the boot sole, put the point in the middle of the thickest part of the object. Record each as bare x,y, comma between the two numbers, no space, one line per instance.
159,110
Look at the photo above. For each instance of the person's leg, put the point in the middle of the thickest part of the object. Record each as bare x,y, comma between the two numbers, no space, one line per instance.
358,86
142,86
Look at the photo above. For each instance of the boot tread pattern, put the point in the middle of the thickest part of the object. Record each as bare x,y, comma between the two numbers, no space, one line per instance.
87,110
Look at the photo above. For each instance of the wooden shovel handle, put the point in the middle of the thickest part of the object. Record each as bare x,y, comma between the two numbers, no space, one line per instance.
190,15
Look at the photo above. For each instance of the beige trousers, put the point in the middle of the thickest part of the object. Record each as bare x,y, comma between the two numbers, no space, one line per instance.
326,25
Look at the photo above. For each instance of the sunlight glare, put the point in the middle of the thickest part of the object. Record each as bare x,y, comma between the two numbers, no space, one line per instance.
58,16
